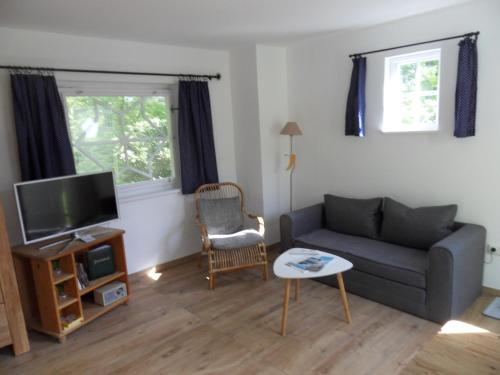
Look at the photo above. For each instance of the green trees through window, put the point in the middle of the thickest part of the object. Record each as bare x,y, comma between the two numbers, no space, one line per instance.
128,134
419,95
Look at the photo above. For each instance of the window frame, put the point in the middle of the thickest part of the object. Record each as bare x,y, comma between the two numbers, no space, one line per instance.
136,190
391,65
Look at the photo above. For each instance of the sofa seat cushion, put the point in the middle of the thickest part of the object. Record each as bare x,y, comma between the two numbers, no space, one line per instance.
243,238
393,262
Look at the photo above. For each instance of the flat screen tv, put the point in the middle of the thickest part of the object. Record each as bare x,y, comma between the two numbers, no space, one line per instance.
56,206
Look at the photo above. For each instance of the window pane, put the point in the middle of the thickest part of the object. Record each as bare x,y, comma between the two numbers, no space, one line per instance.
407,110
94,158
128,134
407,74
429,75
411,92
428,109
152,159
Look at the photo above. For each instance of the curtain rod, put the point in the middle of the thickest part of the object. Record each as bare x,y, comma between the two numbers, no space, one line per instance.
474,34
180,75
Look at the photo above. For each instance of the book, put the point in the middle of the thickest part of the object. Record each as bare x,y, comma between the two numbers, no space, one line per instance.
311,264
71,320
82,275
79,284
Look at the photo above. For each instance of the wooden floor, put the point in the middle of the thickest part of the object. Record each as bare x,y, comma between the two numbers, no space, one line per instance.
177,326
470,345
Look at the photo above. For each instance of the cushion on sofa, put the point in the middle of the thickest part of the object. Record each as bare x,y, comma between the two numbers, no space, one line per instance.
360,217
402,264
416,227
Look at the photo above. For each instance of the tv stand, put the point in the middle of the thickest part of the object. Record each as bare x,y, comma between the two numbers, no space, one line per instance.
84,235
78,236
40,286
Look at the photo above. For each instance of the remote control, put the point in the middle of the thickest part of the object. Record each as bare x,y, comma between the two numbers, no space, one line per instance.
86,238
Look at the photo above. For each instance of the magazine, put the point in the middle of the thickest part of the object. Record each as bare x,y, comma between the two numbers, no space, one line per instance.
312,264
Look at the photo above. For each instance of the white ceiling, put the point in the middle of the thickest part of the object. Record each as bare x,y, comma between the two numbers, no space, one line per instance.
209,23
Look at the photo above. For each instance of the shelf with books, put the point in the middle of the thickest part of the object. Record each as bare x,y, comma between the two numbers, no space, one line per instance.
94,284
72,326
71,317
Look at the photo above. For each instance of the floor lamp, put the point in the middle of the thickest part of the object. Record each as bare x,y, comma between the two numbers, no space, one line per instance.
291,129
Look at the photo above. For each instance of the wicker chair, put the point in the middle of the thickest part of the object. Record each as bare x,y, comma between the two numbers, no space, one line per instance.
228,242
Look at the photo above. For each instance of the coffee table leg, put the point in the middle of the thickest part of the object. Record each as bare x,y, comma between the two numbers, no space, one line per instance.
284,317
343,294
297,290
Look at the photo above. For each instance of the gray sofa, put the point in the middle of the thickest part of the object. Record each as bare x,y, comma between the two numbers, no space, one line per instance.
437,283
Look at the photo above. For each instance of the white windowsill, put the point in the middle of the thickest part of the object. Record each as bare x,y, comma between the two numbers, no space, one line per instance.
145,190
399,130
409,131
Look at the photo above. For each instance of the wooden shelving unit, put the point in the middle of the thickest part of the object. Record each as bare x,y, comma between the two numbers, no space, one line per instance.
92,310
41,288
63,277
63,303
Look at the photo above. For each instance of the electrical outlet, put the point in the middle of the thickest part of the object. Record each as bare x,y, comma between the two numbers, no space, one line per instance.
492,250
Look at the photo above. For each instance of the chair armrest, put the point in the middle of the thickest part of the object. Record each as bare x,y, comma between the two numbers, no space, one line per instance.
204,234
455,272
259,219
297,223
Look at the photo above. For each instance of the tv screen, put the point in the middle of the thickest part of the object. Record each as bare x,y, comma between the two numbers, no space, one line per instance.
56,206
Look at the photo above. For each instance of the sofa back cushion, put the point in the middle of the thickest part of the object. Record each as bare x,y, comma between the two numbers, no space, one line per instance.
359,217
416,227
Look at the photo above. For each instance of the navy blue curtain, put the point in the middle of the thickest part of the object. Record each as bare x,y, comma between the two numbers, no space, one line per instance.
465,94
42,135
355,110
196,137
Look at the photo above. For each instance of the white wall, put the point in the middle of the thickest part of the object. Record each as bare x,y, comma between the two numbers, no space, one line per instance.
160,227
260,109
246,126
273,114
418,169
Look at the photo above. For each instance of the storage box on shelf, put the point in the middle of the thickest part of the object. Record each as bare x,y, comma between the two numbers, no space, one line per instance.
52,301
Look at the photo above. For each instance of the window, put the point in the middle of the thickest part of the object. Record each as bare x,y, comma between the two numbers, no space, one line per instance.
411,92
127,129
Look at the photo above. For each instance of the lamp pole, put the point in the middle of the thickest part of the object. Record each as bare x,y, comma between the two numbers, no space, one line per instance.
291,129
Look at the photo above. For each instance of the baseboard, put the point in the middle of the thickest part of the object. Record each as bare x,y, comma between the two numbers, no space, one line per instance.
190,258
177,262
491,291
273,247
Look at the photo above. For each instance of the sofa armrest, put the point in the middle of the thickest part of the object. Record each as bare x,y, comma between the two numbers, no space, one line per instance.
455,272
297,223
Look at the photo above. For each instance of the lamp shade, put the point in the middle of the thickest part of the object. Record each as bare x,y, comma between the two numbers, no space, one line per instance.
291,128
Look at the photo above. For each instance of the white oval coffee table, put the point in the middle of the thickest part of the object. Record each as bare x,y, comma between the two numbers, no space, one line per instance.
336,266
